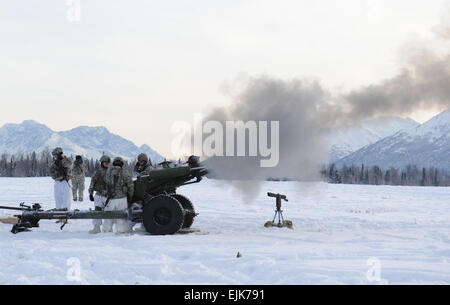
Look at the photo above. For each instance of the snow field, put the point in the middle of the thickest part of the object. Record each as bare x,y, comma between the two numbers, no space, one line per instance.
344,234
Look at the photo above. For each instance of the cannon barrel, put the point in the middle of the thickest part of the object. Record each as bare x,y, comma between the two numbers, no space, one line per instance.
169,173
167,179
175,172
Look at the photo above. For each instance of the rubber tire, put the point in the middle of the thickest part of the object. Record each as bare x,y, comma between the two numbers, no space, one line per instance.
187,205
163,215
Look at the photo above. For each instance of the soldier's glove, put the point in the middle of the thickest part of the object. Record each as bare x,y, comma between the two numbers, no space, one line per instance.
91,197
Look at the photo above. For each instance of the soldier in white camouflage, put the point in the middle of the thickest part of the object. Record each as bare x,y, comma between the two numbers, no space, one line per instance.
98,185
78,177
120,191
61,172
143,165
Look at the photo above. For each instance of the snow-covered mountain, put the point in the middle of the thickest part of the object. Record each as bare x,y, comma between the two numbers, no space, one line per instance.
425,145
90,142
346,140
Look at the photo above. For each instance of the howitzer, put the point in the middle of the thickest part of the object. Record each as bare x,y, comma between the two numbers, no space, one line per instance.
155,202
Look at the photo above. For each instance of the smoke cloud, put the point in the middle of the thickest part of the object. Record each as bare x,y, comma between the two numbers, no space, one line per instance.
307,112
424,83
296,106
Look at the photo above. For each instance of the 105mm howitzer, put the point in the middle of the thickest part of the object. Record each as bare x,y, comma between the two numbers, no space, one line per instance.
155,202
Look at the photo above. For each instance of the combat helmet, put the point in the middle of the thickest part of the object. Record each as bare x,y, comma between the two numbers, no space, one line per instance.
142,158
105,158
118,161
57,151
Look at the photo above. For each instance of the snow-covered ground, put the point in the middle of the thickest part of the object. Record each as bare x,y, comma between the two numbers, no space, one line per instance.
343,234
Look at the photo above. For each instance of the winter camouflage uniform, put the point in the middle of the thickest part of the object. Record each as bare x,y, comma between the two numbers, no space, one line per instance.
98,185
61,172
119,182
61,169
144,169
120,189
78,176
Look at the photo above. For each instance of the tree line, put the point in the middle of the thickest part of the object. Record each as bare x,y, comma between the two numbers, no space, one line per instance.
38,164
410,175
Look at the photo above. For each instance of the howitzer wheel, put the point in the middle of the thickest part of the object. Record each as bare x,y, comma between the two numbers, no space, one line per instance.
163,215
189,210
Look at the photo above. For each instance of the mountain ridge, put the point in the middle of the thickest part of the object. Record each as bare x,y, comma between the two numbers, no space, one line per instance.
91,142
426,145
345,140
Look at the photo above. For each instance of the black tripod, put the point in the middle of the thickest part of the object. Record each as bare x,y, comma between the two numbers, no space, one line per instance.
278,211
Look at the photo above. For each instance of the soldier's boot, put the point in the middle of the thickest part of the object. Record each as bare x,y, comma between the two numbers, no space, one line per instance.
141,228
80,199
75,199
107,226
95,230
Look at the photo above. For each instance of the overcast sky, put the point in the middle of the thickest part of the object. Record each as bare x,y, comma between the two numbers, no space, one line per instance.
136,67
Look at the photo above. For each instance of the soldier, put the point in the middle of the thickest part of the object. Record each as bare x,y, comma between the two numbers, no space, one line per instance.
61,172
78,176
143,165
120,191
98,184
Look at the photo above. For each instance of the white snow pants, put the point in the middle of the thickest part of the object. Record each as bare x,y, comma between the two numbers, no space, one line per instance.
119,204
63,193
99,201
